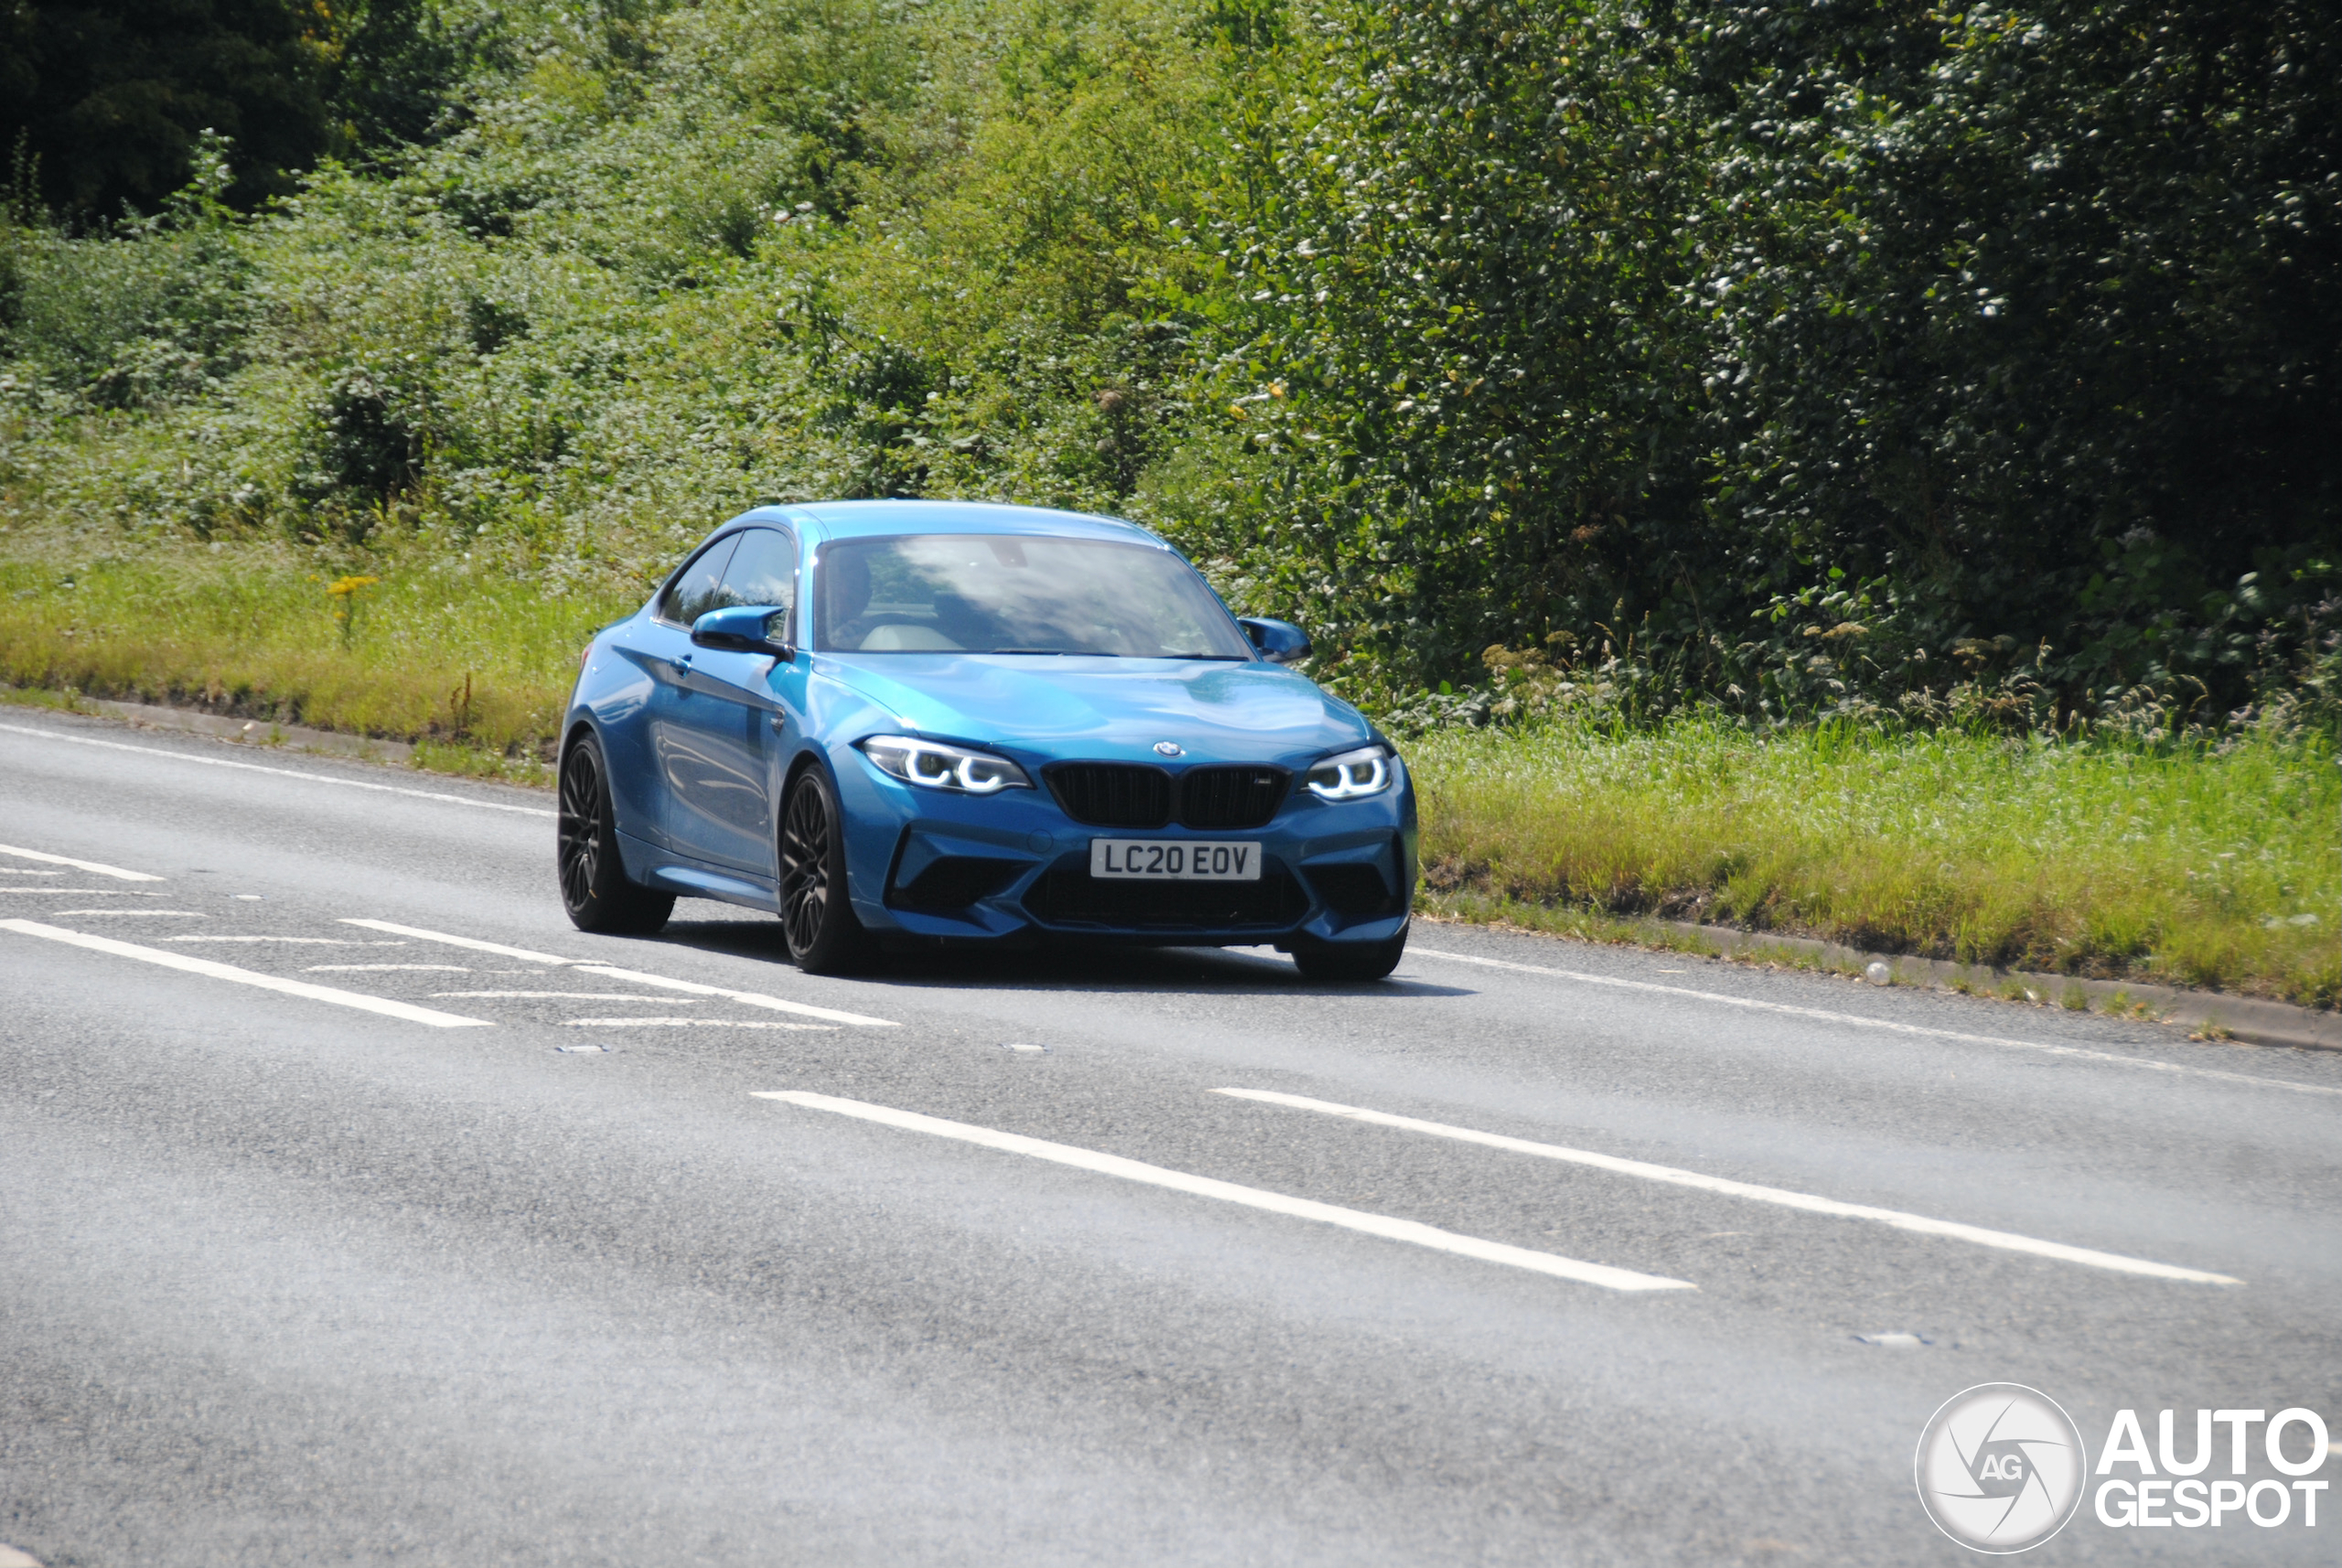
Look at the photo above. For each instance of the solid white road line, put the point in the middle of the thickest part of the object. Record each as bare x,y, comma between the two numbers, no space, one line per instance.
499,949
1228,1192
1918,1223
567,996
630,976
93,867
167,914
747,998
691,1024
204,966
1888,1025
280,772
293,941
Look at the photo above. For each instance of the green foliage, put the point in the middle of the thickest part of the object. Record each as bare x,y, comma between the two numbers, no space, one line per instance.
1854,357
2034,313
1449,293
1850,359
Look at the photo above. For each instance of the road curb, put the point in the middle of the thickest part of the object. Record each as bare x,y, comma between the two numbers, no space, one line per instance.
265,734
2252,1019
249,732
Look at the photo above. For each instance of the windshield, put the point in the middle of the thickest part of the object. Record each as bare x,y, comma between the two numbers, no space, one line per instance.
984,593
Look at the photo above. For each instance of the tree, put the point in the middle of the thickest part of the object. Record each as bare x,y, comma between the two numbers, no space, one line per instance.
111,96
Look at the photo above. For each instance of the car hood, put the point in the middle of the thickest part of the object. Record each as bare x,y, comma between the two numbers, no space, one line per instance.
1106,708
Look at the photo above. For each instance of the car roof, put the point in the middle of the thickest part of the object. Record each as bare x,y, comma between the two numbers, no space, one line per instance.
864,519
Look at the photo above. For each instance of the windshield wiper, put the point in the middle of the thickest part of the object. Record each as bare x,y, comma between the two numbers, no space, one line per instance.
1055,652
1221,658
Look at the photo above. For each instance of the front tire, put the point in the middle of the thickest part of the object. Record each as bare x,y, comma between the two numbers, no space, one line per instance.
816,916
594,887
1334,963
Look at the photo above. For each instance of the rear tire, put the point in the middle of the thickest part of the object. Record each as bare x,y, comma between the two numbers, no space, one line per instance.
594,887
817,917
1347,962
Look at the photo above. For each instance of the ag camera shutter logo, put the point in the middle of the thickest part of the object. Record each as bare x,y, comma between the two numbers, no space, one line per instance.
2001,1467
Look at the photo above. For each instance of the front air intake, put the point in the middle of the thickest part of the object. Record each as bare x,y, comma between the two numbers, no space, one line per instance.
1358,891
1067,896
954,882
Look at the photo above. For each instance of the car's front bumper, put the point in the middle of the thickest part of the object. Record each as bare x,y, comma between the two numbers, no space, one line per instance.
1013,867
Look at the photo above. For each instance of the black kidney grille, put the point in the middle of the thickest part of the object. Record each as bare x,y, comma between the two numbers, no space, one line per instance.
1231,797
1113,794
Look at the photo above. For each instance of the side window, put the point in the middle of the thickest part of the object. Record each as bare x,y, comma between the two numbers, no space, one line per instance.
763,571
693,591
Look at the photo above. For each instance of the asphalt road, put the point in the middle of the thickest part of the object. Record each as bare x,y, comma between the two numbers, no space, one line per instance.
286,1280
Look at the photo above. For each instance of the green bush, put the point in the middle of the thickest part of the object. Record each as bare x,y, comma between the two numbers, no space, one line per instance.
1852,359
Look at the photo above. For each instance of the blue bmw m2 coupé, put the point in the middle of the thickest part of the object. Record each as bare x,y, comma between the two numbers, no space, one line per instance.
926,721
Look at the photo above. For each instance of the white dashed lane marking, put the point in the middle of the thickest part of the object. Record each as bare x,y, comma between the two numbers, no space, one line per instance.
746,998
189,964
449,940
1917,1223
1380,1225
143,914
293,941
565,996
632,976
691,1024
95,868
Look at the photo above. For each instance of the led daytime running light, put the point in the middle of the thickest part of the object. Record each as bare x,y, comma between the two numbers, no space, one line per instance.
1351,775
935,765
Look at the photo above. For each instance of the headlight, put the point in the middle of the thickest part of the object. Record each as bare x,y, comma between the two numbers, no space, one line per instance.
939,766
1352,775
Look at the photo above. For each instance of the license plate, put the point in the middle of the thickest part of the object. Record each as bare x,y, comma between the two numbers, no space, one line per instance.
1181,860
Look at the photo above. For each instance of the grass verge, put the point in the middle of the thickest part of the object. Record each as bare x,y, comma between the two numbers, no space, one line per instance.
475,668
2216,867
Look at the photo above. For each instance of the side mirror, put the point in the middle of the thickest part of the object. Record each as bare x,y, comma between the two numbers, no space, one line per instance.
742,629
1280,641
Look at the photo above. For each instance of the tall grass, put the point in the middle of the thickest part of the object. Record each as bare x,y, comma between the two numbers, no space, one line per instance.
2193,865
412,647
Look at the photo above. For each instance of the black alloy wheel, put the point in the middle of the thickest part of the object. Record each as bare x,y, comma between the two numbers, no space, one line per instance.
594,887
824,934
1349,962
